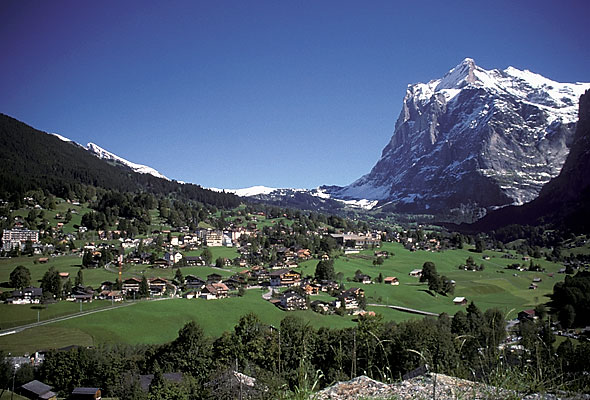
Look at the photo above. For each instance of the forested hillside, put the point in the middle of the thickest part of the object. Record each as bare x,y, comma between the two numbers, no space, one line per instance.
31,159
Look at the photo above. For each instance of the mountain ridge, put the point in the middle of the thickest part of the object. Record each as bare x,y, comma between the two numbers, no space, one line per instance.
459,140
31,159
564,202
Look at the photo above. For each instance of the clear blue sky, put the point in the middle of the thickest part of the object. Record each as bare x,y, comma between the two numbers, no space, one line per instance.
278,93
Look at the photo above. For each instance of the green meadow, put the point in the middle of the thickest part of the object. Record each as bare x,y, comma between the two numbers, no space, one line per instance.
159,321
149,322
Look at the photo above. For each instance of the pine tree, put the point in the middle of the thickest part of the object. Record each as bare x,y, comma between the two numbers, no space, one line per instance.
143,287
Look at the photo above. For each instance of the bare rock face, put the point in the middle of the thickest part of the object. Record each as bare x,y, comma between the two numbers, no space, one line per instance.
431,386
472,139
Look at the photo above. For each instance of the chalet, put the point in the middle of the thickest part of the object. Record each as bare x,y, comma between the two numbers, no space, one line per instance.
64,275
277,265
36,390
459,301
172,257
354,291
349,300
284,277
161,262
303,254
311,289
533,286
30,295
157,286
193,282
293,301
86,393
43,260
112,295
326,286
233,283
214,278
82,294
131,285
537,280
527,314
106,285
192,294
391,280
214,291
362,278
195,261
416,273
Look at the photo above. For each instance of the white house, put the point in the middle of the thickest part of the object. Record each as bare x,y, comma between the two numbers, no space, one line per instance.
173,257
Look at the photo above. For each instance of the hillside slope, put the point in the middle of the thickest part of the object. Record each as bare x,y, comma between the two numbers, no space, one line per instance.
31,159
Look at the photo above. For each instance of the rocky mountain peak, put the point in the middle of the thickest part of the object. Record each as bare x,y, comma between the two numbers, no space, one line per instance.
474,139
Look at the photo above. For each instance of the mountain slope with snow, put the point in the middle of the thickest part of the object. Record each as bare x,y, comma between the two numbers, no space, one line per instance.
107,155
474,139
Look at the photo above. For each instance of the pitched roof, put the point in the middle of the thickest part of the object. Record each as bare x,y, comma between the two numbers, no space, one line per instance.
146,380
36,387
85,390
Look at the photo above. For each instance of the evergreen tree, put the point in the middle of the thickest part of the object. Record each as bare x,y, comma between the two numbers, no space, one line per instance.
144,288
178,276
79,278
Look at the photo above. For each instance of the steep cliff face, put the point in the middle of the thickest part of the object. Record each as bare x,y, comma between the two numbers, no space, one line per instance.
473,139
564,202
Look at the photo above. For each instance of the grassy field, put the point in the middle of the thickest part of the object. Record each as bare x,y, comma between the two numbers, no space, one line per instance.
136,324
7,395
493,287
21,314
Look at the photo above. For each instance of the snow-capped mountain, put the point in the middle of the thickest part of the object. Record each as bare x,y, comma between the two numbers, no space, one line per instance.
107,155
314,199
473,139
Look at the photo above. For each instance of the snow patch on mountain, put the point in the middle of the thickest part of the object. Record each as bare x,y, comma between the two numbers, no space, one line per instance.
107,155
60,137
283,194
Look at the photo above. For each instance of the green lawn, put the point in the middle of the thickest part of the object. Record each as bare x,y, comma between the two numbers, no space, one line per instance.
9,396
44,338
136,324
493,287
69,264
21,314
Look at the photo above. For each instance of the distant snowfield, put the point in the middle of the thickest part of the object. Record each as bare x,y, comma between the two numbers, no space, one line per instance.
259,190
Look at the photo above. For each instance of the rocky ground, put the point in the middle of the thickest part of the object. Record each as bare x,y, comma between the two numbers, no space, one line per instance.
430,386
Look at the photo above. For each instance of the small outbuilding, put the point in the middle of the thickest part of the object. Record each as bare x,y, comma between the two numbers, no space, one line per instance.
86,393
460,301
36,390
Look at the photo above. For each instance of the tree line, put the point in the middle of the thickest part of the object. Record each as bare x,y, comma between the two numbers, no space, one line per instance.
295,356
